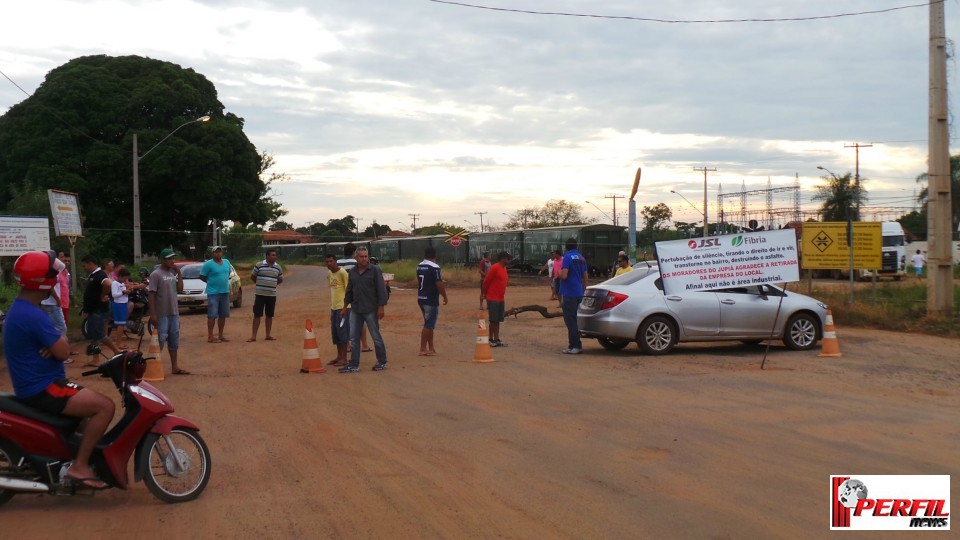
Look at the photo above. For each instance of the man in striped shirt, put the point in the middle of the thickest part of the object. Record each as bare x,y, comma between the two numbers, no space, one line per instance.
266,274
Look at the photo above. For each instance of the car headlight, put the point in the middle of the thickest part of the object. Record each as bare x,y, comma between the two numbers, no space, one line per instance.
822,305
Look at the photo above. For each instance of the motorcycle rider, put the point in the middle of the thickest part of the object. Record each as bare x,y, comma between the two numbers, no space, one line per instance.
35,352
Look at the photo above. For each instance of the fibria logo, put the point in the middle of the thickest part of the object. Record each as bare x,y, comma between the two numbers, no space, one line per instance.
704,243
737,241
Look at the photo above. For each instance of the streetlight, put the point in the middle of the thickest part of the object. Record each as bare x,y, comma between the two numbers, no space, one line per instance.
137,246
601,211
702,214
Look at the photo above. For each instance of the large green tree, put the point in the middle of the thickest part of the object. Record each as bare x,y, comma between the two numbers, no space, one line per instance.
75,133
839,196
553,213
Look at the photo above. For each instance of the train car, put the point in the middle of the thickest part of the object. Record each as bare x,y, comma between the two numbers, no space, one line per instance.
386,249
336,248
495,242
411,247
447,253
599,244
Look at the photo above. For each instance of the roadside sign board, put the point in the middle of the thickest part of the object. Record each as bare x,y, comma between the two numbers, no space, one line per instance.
824,245
19,234
65,208
734,260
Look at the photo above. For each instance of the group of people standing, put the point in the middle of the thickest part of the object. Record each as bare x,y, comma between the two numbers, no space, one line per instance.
568,282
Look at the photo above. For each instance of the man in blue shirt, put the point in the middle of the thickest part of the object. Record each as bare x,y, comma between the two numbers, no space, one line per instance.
428,297
216,274
35,352
573,281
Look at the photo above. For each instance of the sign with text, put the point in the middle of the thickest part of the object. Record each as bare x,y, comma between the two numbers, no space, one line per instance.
824,245
735,260
65,208
19,235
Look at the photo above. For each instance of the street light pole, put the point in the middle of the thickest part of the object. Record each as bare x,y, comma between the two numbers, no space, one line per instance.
137,245
691,206
601,211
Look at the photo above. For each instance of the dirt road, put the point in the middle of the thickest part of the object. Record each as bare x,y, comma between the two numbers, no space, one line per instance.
697,444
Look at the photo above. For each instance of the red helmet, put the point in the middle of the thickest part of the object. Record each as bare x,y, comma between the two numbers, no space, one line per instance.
36,270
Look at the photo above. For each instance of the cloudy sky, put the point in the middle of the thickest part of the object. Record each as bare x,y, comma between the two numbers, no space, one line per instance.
385,108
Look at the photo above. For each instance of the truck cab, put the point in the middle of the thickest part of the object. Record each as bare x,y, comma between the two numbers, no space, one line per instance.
894,253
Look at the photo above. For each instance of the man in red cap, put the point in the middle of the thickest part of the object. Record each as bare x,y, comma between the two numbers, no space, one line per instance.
35,352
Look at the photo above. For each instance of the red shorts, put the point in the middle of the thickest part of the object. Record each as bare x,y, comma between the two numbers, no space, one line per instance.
54,397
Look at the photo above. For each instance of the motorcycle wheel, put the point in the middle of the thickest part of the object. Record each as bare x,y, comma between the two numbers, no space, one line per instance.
162,472
9,457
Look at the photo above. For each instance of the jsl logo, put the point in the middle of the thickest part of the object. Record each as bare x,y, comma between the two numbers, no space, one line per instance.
706,242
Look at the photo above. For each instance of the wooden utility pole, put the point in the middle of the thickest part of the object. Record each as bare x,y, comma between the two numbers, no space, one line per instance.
939,219
414,216
481,218
706,222
614,197
858,146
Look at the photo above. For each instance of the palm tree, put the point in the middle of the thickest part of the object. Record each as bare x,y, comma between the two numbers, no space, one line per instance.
954,190
840,197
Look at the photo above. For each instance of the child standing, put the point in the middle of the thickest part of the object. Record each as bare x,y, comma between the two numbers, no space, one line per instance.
120,291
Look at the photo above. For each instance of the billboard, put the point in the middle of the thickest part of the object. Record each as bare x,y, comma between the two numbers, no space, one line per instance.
19,234
735,260
824,245
65,208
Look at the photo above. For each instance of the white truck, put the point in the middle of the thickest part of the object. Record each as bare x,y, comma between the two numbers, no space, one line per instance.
893,246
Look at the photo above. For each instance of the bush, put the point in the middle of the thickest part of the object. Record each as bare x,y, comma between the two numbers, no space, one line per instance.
898,307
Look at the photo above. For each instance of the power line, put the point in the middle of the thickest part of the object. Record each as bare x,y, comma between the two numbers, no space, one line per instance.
689,21
51,111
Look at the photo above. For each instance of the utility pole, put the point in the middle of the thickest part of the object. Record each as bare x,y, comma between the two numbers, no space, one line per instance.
414,216
706,222
856,184
614,197
481,218
939,218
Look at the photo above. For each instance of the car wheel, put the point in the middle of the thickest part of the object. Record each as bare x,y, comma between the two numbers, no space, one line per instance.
800,333
613,344
657,335
239,301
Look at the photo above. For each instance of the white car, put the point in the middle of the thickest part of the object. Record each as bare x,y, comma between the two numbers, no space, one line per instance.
195,289
633,307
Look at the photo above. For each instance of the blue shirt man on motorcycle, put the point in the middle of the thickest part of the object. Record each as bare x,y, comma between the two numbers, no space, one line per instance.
35,352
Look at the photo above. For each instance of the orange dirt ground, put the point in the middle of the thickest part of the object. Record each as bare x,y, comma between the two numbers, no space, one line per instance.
697,444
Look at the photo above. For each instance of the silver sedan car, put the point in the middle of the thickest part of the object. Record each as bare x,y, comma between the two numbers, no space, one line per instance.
633,307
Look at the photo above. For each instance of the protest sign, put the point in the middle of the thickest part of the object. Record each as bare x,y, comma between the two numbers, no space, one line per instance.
735,260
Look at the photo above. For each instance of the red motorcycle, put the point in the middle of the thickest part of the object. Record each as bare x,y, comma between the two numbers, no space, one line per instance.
169,455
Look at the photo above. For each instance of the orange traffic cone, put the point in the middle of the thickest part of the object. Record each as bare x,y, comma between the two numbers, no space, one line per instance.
482,352
311,353
830,346
154,371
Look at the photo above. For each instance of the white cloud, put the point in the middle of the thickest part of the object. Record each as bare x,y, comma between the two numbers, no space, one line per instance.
399,107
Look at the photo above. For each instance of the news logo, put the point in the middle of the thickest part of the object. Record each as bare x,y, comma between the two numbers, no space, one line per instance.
889,502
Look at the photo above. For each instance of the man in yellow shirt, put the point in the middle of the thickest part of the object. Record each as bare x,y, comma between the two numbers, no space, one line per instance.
339,324
623,265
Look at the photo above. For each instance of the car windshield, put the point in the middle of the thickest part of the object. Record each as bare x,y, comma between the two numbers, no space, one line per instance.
191,271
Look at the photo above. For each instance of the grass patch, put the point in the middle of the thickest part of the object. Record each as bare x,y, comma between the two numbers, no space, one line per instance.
895,306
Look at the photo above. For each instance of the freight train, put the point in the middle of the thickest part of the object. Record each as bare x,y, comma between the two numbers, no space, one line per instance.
530,248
